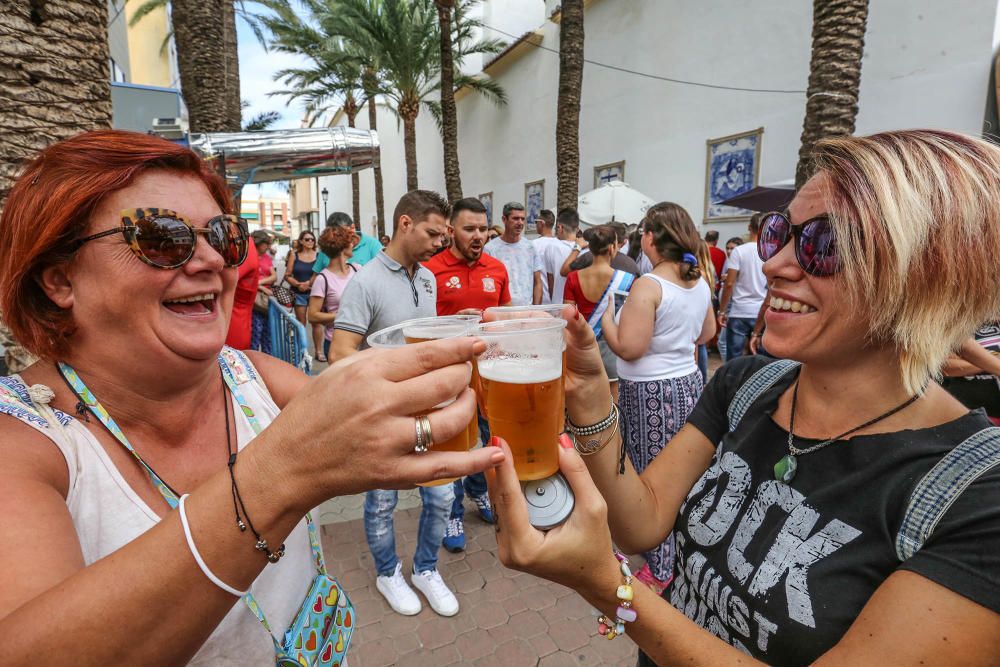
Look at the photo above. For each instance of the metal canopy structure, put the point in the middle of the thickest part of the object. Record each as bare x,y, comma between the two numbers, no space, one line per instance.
280,155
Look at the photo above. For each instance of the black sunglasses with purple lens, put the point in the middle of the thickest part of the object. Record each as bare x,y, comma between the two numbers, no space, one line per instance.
815,245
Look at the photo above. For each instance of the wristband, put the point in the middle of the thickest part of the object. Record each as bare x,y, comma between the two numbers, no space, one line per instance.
197,556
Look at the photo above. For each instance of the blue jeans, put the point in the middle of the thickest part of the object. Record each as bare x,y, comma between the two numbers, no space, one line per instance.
738,330
474,484
381,533
703,362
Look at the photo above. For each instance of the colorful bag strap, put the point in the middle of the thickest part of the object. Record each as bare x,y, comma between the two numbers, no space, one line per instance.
621,281
234,374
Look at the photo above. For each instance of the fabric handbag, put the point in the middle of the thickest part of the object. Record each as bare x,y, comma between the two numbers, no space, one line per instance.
322,628
261,302
283,295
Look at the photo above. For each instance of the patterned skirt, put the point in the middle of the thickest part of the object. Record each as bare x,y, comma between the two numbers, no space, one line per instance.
653,411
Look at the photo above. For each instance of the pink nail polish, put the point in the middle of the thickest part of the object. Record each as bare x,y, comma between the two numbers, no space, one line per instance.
565,442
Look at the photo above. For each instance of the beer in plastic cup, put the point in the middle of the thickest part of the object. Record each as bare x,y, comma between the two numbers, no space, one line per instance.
521,373
420,331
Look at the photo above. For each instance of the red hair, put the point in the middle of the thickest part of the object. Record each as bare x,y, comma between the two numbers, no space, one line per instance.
50,206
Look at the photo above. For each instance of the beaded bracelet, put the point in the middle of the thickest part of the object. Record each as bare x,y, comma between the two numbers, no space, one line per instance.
625,613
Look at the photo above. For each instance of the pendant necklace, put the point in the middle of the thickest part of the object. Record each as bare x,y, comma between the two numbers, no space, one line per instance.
784,470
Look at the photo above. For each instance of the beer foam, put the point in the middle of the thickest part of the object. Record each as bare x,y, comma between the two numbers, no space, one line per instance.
520,370
436,331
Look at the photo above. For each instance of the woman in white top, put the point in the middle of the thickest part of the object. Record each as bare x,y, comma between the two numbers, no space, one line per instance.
667,314
118,266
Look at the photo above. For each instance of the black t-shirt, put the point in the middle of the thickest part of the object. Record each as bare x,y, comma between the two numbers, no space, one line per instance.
781,571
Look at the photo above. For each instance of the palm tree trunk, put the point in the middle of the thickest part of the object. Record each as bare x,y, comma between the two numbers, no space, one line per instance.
355,177
54,83
200,34
377,170
838,40
234,107
54,77
410,149
449,114
568,110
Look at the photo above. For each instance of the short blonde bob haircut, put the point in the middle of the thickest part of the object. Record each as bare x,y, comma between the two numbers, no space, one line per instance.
916,215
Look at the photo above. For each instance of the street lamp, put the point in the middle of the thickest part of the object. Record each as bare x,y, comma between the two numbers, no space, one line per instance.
326,195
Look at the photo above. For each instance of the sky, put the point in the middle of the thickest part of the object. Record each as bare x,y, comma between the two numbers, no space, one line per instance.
257,68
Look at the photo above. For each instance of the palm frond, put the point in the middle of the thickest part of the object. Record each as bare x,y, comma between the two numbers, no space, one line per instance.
145,9
485,86
261,121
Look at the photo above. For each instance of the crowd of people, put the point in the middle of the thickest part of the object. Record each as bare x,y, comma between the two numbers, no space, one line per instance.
822,497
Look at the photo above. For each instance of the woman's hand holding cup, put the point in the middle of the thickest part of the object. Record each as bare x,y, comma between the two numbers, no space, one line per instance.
353,428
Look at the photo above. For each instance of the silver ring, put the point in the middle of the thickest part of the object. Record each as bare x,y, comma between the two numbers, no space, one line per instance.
421,446
428,438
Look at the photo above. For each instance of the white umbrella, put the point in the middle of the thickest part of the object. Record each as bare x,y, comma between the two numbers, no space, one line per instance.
613,202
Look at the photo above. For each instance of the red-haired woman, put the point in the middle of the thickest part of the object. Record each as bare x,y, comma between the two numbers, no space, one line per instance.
337,243
147,478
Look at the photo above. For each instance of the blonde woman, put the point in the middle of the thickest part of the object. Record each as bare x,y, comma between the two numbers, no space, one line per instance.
708,273
656,334
874,281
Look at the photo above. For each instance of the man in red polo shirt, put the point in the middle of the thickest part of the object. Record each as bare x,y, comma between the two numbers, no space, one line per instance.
468,281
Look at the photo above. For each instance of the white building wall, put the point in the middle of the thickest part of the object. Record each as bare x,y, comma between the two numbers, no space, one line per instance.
926,64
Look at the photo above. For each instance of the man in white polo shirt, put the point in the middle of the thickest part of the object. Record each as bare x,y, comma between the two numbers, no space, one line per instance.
743,292
390,289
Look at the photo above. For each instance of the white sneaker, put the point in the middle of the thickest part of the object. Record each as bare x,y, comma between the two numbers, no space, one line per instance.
398,593
441,599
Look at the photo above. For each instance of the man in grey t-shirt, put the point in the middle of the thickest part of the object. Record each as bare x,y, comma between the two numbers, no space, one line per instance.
519,256
390,289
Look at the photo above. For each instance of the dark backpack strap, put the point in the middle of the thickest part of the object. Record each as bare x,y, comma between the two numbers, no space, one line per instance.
751,390
938,490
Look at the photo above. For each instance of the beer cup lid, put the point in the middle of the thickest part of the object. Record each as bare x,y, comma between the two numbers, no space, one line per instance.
550,501
519,312
444,326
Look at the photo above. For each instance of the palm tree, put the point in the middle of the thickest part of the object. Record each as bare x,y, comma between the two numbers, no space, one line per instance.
199,28
54,77
54,83
449,114
370,85
568,106
403,35
331,78
838,41
207,59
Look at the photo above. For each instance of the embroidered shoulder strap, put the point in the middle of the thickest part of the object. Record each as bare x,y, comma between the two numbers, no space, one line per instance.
751,390
30,404
938,490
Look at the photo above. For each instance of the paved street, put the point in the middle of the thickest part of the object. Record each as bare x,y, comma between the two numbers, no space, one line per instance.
507,618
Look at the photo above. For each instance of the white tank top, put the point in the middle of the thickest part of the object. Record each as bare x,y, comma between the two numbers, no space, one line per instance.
108,514
676,326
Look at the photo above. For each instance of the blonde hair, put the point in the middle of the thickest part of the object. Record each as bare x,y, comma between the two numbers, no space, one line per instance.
707,268
916,214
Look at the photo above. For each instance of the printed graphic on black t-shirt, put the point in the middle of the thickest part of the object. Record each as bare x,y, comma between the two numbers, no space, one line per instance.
782,570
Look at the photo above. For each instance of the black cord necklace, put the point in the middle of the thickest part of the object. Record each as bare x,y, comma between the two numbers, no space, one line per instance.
238,507
785,469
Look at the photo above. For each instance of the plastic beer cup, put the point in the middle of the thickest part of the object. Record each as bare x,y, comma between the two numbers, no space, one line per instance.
420,331
521,373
